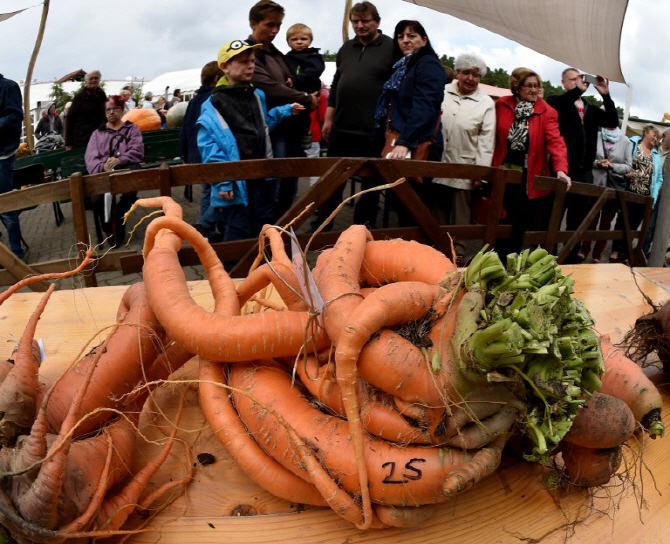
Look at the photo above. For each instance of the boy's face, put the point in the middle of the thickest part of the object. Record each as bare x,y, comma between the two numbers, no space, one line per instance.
240,68
299,41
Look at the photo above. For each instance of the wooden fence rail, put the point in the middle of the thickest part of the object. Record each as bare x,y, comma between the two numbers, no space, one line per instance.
333,172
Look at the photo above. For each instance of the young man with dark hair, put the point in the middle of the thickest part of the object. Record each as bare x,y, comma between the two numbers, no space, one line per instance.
364,63
273,77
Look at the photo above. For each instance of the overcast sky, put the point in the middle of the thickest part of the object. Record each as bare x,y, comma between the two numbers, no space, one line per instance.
128,38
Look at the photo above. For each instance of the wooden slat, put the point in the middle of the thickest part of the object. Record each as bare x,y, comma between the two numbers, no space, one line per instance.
413,204
45,193
17,269
132,263
316,195
79,221
584,225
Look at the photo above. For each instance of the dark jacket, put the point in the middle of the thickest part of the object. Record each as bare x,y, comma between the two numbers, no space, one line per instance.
43,126
270,77
415,109
11,116
86,114
580,138
306,68
188,134
361,73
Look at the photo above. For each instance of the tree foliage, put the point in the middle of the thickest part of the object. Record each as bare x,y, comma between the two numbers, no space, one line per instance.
60,96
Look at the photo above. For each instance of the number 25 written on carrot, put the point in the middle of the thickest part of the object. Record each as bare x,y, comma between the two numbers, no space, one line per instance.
410,472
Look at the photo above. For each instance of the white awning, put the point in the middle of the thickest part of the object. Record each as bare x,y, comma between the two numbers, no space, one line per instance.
580,33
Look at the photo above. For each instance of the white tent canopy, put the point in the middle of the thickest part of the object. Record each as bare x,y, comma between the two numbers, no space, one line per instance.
580,33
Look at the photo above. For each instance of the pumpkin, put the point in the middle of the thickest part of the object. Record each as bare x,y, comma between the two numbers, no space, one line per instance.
146,119
175,115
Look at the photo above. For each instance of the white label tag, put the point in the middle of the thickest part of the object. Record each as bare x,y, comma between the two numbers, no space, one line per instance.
43,354
299,269
108,206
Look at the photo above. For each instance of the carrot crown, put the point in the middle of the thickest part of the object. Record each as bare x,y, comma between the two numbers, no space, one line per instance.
532,333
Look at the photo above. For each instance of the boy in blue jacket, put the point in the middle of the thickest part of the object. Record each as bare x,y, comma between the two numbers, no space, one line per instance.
234,125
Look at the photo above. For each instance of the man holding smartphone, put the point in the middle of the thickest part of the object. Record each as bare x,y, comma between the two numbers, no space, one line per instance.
579,123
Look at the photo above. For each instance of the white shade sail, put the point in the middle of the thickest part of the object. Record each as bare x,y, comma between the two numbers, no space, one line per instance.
580,33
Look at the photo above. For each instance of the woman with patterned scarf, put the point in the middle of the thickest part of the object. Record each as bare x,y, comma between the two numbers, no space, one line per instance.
526,133
411,99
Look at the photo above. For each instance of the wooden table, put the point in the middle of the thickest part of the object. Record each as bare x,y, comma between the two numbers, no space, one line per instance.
510,507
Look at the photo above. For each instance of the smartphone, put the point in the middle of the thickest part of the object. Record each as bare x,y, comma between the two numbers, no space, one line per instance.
588,78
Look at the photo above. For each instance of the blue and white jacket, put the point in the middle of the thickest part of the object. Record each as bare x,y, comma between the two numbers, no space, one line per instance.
216,143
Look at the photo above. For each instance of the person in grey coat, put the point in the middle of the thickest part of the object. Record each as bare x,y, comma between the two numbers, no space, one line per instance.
614,159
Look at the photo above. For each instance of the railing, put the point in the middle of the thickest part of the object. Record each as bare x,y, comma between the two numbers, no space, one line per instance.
333,173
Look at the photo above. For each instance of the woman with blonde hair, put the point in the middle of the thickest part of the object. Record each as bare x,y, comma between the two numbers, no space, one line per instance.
526,135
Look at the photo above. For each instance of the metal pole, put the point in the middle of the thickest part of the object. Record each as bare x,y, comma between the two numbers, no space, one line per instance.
27,118
662,232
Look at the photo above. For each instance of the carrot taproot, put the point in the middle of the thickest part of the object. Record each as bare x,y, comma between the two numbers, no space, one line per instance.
226,425
86,260
399,475
338,282
114,511
19,389
281,277
388,261
131,350
222,336
649,335
482,464
590,467
394,516
603,421
626,380
392,304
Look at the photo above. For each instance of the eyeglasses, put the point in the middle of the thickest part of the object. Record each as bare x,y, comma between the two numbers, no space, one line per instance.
363,22
534,87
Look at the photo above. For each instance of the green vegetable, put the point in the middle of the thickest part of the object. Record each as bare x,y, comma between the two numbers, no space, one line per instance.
531,329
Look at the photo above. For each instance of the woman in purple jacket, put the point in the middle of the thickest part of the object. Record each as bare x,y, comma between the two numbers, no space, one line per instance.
116,145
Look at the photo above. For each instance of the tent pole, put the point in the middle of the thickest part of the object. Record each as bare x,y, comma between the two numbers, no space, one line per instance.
345,22
27,118
626,111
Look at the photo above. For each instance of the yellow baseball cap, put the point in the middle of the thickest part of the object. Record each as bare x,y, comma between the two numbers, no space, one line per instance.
234,47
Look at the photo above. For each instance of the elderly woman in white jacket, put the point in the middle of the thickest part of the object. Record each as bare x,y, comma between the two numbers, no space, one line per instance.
468,128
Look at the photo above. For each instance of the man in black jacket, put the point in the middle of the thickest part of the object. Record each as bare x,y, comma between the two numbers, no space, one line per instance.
87,112
363,66
579,123
11,118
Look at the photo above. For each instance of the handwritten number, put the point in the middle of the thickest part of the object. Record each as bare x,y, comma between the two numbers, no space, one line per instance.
411,472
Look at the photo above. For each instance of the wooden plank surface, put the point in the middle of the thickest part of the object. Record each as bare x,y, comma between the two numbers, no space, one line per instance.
511,506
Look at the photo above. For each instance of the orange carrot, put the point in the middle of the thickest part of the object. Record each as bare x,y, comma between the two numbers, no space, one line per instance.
232,434
626,380
18,391
603,422
590,467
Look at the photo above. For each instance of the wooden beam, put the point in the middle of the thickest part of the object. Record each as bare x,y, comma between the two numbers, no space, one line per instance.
584,226
18,269
408,197
80,226
165,180
556,215
316,195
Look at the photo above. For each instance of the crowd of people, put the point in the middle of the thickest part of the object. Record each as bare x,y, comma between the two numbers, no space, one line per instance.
390,97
